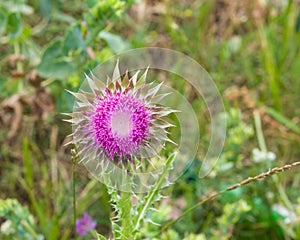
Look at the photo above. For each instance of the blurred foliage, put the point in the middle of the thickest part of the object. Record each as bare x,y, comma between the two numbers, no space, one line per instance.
250,48
19,223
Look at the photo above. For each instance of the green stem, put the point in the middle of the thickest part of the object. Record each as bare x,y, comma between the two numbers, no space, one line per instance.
259,132
282,119
29,229
18,52
48,81
270,66
263,147
74,189
125,206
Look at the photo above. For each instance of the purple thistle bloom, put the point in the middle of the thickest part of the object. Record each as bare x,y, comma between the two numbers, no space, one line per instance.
84,225
119,121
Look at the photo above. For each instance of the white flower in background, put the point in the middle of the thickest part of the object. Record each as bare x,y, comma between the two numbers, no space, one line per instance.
262,156
288,215
7,228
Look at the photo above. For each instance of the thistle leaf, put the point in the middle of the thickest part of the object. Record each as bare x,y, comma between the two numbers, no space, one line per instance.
153,195
101,237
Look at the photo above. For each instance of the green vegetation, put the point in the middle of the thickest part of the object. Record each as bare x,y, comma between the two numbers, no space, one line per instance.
250,48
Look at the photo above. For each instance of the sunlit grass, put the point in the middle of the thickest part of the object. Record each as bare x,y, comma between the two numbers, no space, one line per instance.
252,52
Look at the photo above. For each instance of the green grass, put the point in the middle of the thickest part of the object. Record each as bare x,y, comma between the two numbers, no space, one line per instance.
260,53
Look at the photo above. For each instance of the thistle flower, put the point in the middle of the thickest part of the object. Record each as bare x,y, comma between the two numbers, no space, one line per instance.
119,121
84,225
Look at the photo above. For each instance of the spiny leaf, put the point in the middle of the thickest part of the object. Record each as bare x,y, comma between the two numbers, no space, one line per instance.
101,237
153,194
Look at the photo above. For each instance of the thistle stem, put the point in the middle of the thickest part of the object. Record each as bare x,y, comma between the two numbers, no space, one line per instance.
74,189
18,52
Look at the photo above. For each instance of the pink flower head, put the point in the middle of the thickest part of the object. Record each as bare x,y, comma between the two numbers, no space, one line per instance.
119,121
84,225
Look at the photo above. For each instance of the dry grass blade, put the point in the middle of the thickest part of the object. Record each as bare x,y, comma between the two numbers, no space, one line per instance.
212,196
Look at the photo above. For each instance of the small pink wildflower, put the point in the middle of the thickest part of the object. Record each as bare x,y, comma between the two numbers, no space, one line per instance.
84,225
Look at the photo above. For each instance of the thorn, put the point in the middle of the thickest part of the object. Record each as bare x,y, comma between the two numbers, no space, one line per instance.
116,73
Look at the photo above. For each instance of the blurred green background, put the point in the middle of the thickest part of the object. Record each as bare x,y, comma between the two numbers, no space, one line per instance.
251,48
